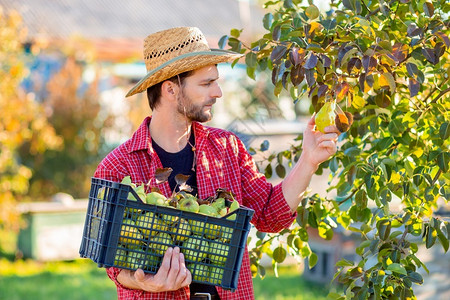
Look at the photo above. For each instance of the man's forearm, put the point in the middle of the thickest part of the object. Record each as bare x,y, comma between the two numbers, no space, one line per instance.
297,181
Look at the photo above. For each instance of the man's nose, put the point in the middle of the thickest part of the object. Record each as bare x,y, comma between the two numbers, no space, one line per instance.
217,93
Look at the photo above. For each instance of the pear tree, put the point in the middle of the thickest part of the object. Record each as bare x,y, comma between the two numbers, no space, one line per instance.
386,64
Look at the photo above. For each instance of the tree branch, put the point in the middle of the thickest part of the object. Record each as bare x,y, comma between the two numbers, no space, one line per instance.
352,194
373,12
442,93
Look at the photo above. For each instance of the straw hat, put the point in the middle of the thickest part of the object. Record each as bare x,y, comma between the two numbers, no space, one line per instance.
177,50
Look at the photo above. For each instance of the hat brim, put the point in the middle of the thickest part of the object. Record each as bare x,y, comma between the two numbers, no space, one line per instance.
183,63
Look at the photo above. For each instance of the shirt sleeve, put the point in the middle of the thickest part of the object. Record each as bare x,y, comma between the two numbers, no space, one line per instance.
111,169
272,212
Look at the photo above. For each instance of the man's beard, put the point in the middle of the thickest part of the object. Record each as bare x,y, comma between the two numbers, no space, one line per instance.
191,111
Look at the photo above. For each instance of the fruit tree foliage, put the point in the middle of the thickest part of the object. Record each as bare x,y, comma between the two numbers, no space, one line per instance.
388,64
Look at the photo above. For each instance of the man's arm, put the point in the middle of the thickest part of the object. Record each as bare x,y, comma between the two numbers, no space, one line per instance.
317,148
171,276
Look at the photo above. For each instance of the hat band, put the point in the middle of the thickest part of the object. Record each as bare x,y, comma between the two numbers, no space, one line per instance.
212,52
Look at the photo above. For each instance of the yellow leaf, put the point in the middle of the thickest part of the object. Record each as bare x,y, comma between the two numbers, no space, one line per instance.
395,177
315,26
387,80
358,102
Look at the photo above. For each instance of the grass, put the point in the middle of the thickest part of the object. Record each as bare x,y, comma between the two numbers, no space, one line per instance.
77,280
82,279
289,285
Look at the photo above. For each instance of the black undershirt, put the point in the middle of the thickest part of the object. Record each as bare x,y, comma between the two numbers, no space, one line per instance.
181,163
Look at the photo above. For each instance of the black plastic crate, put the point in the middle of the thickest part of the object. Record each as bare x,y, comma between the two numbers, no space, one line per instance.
130,234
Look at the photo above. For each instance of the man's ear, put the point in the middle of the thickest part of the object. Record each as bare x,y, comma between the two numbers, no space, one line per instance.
169,89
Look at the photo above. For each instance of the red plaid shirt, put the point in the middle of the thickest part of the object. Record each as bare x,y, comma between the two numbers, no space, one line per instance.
222,162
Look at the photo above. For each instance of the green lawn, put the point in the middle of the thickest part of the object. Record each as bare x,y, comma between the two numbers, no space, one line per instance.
82,279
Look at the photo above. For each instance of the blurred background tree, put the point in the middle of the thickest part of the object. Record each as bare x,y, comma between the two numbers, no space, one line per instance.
73,110
51,133
23,121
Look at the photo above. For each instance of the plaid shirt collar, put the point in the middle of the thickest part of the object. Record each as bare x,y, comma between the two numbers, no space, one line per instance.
141,139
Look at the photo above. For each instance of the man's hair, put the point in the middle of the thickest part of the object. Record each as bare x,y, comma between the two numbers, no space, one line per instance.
154,92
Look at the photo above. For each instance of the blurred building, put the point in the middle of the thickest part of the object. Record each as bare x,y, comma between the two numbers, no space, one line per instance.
117,28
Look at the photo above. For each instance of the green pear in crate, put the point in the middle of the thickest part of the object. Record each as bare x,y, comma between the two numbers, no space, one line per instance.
150,224
181,230
121,258
195,249
199,272
211,231
226,234
129,234
220,206
218,252
216,274
197,227
160,243
156,198
233,206
189,203
140,191
143,260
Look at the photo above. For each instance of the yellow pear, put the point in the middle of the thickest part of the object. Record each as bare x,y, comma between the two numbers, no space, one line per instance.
326,116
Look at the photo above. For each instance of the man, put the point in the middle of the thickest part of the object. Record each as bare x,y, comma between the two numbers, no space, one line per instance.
182,87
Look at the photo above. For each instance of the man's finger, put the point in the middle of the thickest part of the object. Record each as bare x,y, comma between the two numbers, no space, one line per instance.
331,129
165,264
174,265
188,279
312,121
139,275
183,271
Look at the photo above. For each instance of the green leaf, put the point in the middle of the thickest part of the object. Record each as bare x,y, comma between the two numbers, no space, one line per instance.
305,252
396,127
312,261
251,72
267,21
312,12
335,296
280,170
443,159
430,237
303,234
279,254
251,59
384,229
444,130
415,277
235,32
361,199
268,171
352,151
385,143
395,234
442,238
344,263
397,268
223,41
